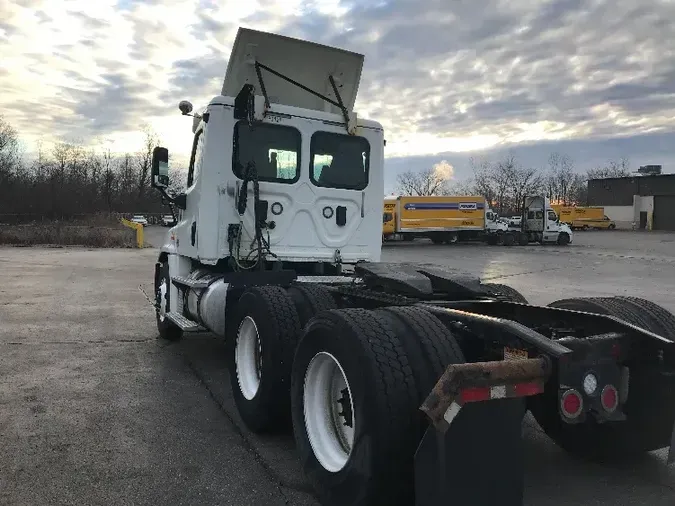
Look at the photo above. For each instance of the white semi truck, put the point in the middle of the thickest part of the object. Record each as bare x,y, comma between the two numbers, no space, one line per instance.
540,223
402,383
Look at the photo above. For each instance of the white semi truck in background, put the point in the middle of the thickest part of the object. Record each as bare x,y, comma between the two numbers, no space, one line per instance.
540,223
402,383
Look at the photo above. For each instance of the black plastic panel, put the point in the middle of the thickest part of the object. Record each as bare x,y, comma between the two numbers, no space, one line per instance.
341,216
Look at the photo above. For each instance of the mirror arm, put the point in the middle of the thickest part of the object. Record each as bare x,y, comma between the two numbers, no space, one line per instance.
180,200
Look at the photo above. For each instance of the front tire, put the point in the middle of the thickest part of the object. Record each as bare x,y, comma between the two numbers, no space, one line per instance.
263,333
168,330
563,239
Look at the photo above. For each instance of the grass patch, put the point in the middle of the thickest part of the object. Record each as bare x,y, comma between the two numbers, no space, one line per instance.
99,231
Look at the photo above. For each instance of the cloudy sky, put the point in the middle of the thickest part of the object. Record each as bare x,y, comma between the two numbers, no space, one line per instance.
448,79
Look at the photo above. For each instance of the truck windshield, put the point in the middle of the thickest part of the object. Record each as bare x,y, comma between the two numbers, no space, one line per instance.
275,150
339,161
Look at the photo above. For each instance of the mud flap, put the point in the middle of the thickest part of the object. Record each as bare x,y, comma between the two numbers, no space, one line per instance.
477,461
472,453
671,450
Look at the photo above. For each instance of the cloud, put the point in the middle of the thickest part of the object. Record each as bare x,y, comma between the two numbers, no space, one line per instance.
562,69
444,170
443,77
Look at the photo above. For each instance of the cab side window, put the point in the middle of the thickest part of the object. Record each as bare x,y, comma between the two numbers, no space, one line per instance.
552,216
195,159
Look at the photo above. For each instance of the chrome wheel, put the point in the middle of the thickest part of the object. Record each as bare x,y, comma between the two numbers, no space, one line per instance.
328,412
162,302
248,358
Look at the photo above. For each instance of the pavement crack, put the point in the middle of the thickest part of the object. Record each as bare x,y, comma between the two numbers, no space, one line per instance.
489,278
278,480
84,341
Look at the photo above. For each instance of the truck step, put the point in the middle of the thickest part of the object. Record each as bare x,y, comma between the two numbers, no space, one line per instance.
327,279
183,323
189,282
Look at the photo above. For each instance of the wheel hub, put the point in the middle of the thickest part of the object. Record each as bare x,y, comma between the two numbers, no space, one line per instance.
329,412
248,358
161,302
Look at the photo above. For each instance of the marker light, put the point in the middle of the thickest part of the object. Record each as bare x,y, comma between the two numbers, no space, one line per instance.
590,383
609,398
571,403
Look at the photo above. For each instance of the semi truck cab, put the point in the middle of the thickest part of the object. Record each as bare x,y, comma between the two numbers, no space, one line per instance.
541,223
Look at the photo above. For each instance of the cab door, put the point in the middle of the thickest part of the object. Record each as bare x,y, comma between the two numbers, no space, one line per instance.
186,228
341,179
552,228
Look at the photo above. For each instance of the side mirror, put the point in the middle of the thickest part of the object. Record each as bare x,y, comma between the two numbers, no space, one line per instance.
185,107
160,167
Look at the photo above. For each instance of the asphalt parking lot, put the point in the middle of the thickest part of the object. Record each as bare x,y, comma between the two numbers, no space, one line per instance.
94,410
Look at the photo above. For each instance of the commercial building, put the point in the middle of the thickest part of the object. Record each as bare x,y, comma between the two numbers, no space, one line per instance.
647,201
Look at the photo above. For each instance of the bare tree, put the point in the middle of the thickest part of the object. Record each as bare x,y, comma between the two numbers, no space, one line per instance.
9,150
578,194
525,181
144,160
613,168
424,182
560,178
504,177
483,183
71,179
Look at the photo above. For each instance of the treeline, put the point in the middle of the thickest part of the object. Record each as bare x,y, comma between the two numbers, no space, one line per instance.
505,182
71,180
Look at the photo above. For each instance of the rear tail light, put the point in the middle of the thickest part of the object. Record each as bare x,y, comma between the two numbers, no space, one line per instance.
571,403
609,398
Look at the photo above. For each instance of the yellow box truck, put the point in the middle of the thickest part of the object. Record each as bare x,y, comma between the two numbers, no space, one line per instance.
584,218
443,219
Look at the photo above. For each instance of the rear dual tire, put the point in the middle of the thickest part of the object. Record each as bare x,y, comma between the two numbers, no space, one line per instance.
390,359
506,292
264,330
496,239
650,405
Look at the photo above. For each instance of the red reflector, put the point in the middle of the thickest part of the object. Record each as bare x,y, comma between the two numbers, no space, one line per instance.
475,394
571,404
609,398
616,350
526,389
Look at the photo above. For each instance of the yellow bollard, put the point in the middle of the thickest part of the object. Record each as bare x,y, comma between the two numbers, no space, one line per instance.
139,231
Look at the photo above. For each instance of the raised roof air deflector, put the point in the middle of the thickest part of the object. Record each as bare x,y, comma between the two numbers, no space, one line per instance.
307,63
